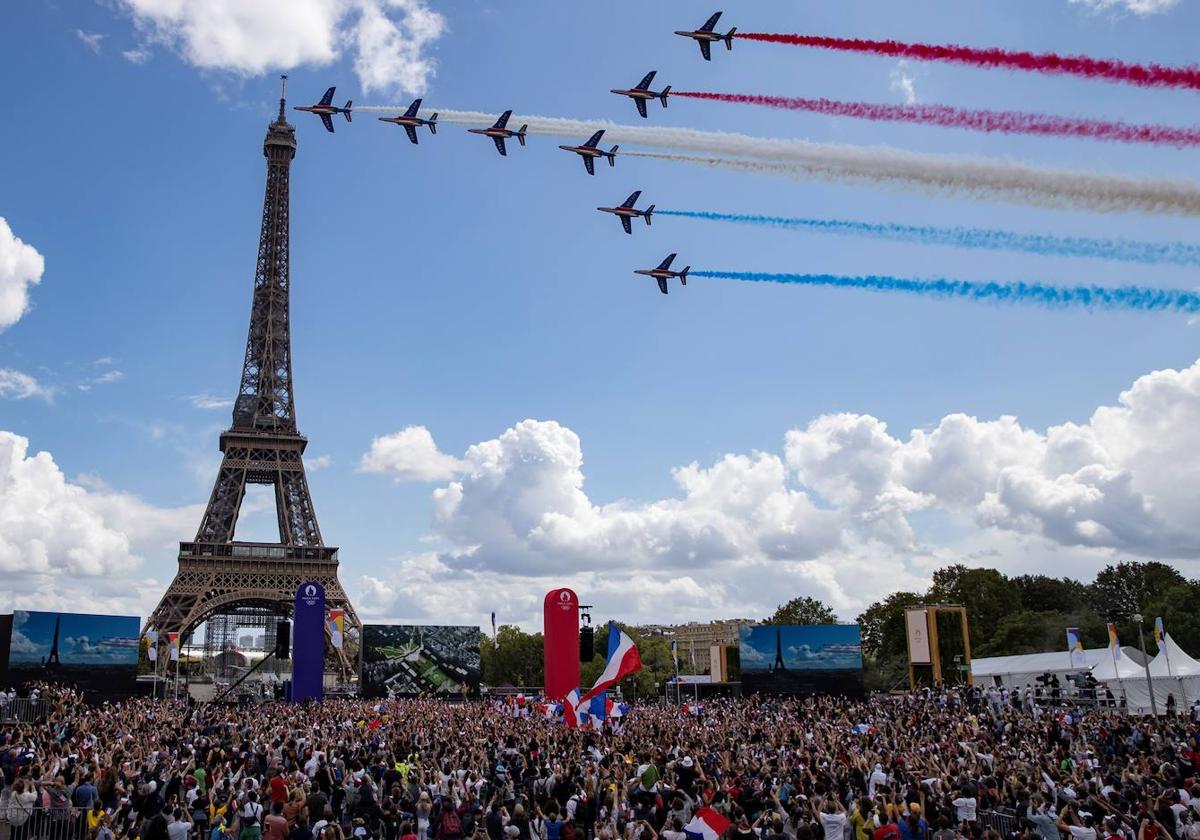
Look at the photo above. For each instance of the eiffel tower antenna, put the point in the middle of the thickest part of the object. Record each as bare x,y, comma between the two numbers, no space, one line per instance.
217,574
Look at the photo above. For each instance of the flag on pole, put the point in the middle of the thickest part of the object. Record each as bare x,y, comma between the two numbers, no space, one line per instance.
152,649
1074,643
675,654
571,709
623,660
1112,636
707,825
173,646
1159,633
337,628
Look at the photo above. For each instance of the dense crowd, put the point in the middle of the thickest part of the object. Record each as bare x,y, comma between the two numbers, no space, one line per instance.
921,766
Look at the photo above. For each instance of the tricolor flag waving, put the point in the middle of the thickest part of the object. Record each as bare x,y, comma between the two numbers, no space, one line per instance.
570,708
706,825
623,660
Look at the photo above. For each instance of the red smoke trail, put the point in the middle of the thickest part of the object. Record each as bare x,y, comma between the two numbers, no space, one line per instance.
1005,122
1145,75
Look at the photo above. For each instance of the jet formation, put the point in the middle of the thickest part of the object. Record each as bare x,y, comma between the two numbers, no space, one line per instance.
589,151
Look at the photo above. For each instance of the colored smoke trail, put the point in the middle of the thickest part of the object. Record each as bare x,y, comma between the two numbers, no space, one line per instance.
1121,250
876,165
1005,122
983,180
1144,75
1134,298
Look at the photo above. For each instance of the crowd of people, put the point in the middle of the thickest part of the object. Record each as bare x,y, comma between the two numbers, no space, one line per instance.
932,765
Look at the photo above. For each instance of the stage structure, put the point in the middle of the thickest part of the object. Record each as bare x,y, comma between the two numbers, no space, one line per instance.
230,583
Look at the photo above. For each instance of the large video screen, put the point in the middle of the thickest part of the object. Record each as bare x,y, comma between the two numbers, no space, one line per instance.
97,653
801,659
405,660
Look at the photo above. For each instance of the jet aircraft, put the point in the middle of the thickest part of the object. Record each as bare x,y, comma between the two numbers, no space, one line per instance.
705,36
589,152
663,273
499,133
626,212
642,93
410,121
325,109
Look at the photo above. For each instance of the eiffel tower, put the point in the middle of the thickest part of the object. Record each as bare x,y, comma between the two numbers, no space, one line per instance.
51,661
778,652
218,575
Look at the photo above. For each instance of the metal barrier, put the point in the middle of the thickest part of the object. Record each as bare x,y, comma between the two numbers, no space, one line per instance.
25,710
1003,820
68,823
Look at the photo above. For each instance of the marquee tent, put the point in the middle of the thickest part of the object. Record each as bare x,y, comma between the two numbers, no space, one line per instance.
1024,669
1178,671
1126,678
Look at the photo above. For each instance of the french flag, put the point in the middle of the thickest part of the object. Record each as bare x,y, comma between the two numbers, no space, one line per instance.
615,710
706,825
570,708
623,660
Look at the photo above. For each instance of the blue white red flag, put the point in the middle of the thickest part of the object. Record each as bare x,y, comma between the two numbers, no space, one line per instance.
706,825
570,708
623,660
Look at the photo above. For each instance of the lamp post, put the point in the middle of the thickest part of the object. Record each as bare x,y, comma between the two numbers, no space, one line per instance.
1146,664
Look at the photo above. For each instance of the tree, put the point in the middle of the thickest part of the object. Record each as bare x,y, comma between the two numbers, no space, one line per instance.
803,610
1122,590
1179,608
514,658
1040,593
986,593
882,625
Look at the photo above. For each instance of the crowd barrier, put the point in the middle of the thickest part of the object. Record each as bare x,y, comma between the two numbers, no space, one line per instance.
1003,820
25,710
59,824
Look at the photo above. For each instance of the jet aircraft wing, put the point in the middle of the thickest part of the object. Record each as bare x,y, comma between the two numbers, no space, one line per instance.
413,108
641,106
625,224
503,120
327,99
667,262
705,50
328,122
662,284
644,84
595,138
412,133
632,200
589,164
711,23
500,146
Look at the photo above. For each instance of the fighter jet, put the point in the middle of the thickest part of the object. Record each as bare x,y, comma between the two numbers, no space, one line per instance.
410,121
663,273
626,213
325,109
705,36
589,152
642,92
498,132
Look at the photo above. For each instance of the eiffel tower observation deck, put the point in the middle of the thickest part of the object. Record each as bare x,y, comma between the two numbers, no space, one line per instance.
218,576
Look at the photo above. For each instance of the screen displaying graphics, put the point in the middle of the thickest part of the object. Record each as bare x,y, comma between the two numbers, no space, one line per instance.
801,659
99,653
409,659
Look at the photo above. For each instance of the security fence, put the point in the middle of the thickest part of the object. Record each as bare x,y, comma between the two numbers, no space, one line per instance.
25,710
37,823
1003,820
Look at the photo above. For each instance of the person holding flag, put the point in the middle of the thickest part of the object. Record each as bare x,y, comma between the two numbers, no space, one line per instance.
623,660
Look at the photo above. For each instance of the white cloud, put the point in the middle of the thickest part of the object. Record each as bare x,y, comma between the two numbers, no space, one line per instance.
318,462
106,378
90,39
409,455
15,385
903,82
139,55
389,39
831,515
1138,7
51,527
208,402
21,266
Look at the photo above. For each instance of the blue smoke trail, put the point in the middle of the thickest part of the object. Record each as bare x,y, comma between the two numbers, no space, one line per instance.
1081,297
1124,250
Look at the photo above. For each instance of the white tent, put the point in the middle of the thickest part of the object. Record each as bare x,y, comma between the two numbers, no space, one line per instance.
1178,671
1024,669
1126,678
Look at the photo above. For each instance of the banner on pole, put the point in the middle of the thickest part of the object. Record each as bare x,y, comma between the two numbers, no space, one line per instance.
1159,633
337,628
308,643
152,648
1112,636
916,622
173,646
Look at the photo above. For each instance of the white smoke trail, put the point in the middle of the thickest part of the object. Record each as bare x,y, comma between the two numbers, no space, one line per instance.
881,165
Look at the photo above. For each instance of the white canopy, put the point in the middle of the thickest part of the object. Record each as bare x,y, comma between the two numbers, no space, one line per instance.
1173,661
1024,669
1126,678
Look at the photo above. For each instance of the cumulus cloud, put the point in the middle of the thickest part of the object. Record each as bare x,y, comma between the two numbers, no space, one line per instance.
15,385
831,514
51,527
903,82
91,40
389,39
106,378
21,266
1137,7
208,402
409,455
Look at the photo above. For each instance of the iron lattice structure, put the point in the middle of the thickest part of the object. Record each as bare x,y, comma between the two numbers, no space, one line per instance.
217,575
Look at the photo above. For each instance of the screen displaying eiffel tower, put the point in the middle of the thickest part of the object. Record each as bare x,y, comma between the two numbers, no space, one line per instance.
231,583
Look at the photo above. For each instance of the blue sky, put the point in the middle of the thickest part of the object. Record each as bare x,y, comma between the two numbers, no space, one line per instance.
802,647
102,639
443,287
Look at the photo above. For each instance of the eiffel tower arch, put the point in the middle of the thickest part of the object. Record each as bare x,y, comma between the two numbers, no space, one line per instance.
218,575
